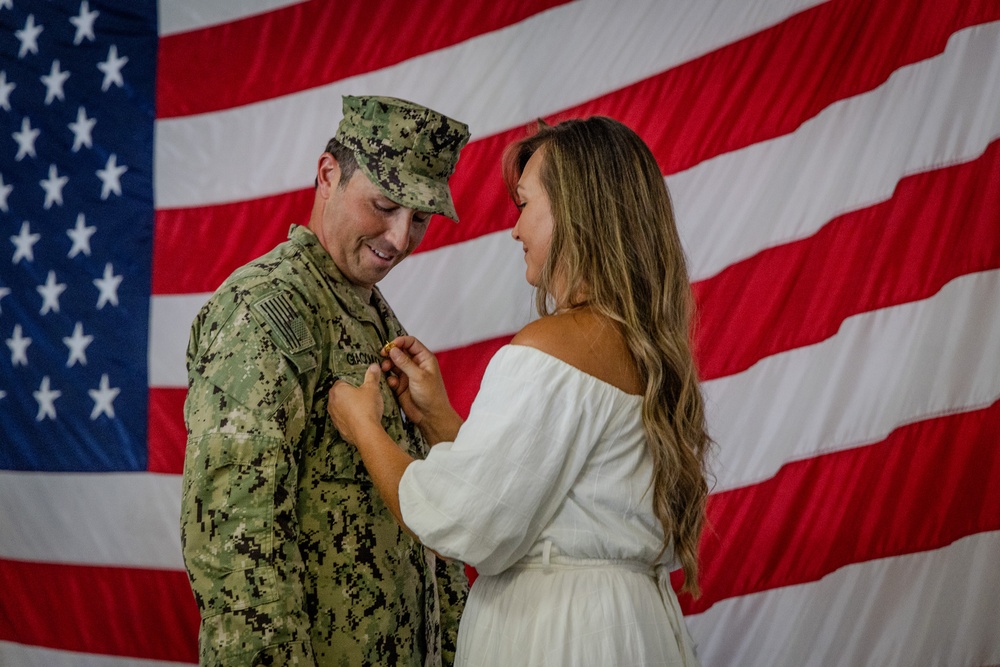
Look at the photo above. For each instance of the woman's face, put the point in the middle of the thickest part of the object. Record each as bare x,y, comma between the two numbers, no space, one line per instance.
534,225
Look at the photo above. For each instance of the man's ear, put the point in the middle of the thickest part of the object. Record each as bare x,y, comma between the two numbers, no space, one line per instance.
327,174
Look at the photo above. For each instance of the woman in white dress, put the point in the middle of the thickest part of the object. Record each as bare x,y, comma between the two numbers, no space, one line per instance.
579,480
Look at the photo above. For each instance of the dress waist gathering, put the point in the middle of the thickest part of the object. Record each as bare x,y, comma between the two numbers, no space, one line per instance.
549,560
552,561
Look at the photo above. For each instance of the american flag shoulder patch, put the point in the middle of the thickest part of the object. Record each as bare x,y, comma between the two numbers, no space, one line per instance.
283,322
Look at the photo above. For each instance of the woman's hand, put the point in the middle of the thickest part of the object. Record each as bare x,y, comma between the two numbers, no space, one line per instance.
420,388
416,377
355,411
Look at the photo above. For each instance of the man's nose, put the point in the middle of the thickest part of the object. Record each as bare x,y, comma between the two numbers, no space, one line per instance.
398,232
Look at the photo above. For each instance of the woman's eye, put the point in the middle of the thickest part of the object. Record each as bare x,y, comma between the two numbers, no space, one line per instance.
519,205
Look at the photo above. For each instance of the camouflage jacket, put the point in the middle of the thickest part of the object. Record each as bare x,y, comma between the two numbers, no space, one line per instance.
292,556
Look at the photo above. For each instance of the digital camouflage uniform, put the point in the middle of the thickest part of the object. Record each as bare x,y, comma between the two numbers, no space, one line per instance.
291,552
292,555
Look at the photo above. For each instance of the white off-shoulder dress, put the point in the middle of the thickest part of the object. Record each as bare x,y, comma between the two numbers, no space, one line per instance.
546,491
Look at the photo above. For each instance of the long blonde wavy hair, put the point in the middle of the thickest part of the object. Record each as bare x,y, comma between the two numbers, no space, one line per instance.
615,248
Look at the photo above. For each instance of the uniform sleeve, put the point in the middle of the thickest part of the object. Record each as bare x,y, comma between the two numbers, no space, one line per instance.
486,497
453,588
244,412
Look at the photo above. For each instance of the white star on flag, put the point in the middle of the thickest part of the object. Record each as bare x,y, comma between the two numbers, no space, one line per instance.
111,177
18,344
50,292
54,81
81,237
46,397
25,139
4,291
53,186
82,129
5,90
84,23
103,398
28,36
77,344
108,285
5,191
6,4
23,244
112,68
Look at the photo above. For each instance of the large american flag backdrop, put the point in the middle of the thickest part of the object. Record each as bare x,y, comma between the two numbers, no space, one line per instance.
835,168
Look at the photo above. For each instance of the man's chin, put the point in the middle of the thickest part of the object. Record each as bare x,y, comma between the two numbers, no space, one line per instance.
375,275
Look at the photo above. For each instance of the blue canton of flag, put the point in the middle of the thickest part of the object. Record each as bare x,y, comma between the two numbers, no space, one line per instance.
77,90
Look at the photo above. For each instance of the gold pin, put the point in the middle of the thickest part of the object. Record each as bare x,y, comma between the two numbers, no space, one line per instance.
388,346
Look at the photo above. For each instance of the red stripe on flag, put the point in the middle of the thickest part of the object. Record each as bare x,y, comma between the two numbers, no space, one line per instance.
687,114
194,252
167,434
925,486
120,611
311,44
938,226
463,368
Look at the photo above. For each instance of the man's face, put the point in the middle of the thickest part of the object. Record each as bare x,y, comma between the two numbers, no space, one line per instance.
365,232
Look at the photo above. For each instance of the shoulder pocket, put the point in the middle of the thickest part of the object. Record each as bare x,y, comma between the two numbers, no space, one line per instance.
244,362
283,322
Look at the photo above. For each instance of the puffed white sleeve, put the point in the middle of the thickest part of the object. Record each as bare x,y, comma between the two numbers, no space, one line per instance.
484,498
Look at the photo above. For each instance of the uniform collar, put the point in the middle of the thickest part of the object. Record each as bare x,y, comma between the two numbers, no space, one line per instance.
342,289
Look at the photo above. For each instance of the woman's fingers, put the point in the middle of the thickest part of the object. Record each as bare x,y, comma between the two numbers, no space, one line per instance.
402,361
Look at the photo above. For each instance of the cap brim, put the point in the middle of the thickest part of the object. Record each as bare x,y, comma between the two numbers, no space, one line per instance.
419,192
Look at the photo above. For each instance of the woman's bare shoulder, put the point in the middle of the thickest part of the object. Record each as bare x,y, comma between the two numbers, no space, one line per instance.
546,334
590,342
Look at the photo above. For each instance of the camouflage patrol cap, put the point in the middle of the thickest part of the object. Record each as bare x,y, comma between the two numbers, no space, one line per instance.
405,149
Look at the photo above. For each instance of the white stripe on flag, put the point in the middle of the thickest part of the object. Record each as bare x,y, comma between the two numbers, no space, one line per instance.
931,608
20,655
464,293
185,15
937,112
170,319
127,519
882,369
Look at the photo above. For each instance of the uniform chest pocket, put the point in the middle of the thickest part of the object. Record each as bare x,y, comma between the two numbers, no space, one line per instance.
334,457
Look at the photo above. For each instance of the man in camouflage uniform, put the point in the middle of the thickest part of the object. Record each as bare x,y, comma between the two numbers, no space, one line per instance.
292,556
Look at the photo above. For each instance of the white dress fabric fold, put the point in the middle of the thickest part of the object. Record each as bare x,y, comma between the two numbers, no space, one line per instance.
546,492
